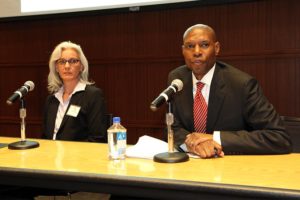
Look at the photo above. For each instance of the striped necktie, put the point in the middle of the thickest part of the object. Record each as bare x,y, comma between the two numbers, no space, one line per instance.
200,110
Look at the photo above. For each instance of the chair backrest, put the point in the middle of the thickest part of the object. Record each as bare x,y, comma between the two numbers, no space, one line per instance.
292,125
109,120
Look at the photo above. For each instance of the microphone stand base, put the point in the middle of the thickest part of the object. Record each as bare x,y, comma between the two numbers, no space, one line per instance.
23,145
171,157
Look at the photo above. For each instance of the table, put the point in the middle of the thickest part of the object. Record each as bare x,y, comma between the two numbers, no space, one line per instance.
84,166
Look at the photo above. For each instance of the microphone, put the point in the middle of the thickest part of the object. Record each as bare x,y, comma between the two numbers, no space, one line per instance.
175,86
22,91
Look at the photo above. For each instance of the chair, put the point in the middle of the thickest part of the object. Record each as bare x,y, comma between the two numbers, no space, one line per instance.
292,125
109,120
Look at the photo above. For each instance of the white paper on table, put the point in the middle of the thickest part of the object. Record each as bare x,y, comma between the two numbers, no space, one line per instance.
147,147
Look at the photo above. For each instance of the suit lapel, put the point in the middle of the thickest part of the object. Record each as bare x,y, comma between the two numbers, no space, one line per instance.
64,120
52,116
188,92
216,98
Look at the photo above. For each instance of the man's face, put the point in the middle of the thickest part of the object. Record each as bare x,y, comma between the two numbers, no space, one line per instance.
200,50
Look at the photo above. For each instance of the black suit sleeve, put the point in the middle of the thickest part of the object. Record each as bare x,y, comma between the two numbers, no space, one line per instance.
264,132
96,117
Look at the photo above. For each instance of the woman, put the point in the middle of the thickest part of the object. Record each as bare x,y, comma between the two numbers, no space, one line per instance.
75,108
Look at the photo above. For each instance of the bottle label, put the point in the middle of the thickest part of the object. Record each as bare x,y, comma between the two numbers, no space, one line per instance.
121,142
121,136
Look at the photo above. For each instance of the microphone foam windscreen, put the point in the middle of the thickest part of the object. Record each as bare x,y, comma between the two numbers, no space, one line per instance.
178,83
30,84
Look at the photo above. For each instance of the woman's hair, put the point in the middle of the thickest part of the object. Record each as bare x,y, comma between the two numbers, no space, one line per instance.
54,81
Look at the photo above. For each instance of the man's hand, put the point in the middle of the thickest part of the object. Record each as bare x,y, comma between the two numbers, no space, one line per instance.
203,145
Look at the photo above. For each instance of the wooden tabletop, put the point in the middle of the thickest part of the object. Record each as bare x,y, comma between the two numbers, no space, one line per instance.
270,171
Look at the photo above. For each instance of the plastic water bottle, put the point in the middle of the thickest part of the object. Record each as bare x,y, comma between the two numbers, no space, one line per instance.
116,140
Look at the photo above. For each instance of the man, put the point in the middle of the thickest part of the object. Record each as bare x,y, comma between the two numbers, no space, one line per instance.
235,118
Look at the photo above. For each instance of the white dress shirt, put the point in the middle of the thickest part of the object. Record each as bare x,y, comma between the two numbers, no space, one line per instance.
206,79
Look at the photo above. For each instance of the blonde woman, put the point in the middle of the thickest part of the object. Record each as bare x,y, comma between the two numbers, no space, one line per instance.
75,108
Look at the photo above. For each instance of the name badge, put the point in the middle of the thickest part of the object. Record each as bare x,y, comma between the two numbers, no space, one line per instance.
73,110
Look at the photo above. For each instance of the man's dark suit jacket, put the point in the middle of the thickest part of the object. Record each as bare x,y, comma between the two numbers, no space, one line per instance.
89,125
237,107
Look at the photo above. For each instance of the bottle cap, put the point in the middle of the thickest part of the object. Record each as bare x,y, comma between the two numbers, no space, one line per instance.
116,120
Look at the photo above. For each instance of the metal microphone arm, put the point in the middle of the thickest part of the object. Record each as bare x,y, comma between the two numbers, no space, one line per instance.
23,144
171,156
22,116
169,122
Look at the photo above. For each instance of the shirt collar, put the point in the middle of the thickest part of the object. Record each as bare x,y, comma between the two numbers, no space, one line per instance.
207,78
79,87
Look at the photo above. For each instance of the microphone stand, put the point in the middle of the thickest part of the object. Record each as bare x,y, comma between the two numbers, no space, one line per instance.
171,156
23,144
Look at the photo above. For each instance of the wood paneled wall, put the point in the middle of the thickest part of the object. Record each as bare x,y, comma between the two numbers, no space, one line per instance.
130,55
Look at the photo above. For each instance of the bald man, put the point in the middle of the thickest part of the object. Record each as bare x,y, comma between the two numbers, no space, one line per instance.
238,118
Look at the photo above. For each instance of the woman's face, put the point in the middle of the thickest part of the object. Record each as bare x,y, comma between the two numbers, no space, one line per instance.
68,65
